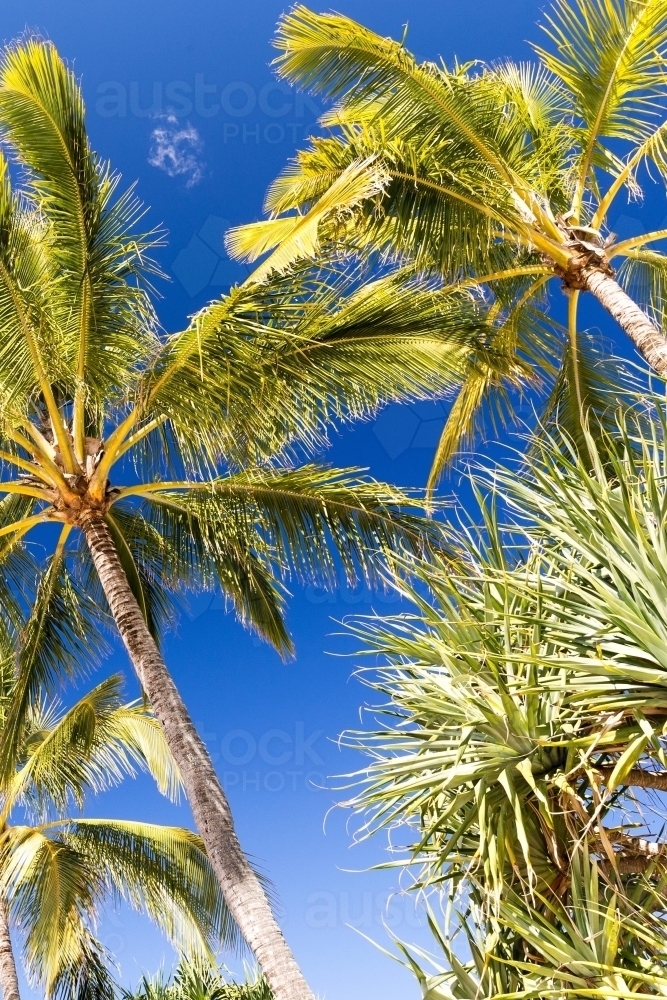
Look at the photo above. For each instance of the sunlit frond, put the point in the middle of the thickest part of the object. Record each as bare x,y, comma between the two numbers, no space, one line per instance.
273,364
54,643
298,236
105,319
55,877
162,871
92,747
50,893
614,86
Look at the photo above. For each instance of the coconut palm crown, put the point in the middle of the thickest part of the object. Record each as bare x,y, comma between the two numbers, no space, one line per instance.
499,179
58,867
154,464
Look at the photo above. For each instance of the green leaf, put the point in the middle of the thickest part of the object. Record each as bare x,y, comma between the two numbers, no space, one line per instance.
106,321
55,642
626,762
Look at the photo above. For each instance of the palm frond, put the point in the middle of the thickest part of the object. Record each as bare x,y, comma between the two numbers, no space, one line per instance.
106,322
272,365
614,86
258,597
54,643
518,356
26,272
50,892
428,211
162,871
89,749
643,274
586,396
298,236
338,57
87,977
299,517
467,153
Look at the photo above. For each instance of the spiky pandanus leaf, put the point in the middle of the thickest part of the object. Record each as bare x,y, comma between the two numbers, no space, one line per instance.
524,708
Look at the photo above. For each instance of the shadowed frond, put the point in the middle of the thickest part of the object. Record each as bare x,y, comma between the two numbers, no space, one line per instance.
50,891
298,519
643,273
141,552
586,396
519,356
86,977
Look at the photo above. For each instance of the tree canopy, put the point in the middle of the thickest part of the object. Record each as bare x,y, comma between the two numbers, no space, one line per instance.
494,179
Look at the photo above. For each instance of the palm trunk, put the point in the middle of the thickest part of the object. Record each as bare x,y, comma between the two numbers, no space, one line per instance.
9,980
243,893
647,338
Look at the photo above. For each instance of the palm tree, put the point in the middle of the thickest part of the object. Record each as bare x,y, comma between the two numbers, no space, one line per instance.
58,867
521,753
201,432
498,179
197,980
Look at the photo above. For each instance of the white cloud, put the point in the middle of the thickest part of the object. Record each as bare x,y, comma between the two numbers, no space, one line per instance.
175,148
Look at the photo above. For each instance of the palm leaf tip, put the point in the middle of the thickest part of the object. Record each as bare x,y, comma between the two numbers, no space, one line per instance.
296,237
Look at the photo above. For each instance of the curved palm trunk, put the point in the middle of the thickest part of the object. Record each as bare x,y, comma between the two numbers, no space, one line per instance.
9,980
243,893
647,338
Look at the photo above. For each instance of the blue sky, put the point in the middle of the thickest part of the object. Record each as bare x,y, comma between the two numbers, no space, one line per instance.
180,97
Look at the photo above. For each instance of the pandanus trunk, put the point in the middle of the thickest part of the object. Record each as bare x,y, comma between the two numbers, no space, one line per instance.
647,338
243,893
9,980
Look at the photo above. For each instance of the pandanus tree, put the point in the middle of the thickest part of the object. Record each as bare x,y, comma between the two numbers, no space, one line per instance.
153,464
500,179
58,867
521,756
